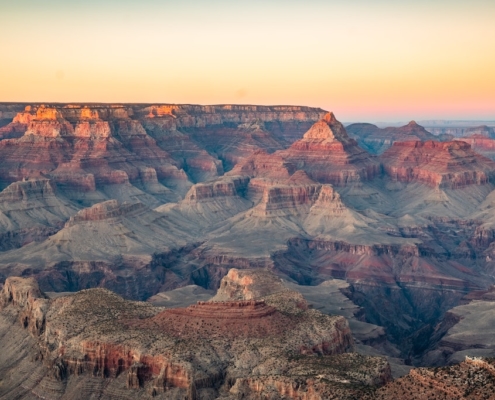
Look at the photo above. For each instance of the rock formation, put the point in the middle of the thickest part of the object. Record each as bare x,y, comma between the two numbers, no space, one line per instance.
471,379
482,144
84,153
328,155
481,130
95,341
376,140
110,244
135,198
31,210
448,164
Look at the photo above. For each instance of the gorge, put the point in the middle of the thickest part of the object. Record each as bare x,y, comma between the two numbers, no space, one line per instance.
147,200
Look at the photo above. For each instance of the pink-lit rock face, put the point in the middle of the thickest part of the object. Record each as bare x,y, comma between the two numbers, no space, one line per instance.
135,198
448,164
481,143
328,155
85,148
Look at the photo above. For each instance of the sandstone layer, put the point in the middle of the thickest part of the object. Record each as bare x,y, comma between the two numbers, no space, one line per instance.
328,155
135,350
449,164
375,140
31,210
482,144
156,210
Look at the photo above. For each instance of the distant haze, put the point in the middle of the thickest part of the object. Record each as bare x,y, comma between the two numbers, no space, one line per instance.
365,60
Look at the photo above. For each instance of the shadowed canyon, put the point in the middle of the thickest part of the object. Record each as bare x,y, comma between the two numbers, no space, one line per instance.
241,251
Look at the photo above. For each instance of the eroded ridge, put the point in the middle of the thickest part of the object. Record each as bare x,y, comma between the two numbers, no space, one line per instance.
135,350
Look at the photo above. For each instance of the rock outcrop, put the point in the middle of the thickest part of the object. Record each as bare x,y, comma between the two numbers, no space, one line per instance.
328,155
481,130
83,152
448,164
471,379
31,210
465,330
135,198
94,336
376,140
482,144
234,144
110,244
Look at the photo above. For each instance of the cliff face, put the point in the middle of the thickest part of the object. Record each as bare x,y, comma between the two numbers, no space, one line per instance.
481,143
376,140
135,198
140,350
87,147
449,164
31,210
83,152
328,155
471,379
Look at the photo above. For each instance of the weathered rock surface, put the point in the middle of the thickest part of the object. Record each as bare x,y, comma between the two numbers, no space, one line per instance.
376,140
471,379
449,164
481,130
328,155
30,211
233,145
465,330
416,232
137,350
109,244
482,144
83,152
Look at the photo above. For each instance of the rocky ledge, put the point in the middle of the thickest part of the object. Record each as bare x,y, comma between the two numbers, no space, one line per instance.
226,349
448,164
328,155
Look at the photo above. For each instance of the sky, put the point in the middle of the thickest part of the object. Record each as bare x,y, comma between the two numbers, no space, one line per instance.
365,60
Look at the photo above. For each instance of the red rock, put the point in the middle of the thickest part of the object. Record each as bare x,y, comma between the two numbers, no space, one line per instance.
187,154
448,164
471,379
478,131
294,195
328,155
88,152
263,165
221,188
376,140
233,145
481,144
208,346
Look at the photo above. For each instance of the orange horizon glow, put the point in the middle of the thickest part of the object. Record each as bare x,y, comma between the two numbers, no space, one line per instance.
363,60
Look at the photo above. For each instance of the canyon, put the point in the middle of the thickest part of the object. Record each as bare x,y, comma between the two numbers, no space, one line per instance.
251,343
390,229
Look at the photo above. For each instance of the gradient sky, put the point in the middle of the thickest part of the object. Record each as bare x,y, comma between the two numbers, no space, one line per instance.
363,59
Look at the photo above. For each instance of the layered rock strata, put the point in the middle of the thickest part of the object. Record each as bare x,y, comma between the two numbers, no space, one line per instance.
31,210
328,155
375,140
139,350
110,244
482,144
449,164
83,152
